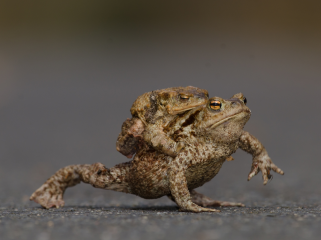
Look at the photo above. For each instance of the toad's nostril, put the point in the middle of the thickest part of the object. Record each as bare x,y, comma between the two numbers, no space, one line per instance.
234,104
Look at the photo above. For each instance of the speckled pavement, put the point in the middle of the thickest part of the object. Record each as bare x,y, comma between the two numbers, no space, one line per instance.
161,221
67,83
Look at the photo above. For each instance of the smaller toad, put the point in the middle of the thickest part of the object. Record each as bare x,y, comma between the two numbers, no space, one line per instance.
154,111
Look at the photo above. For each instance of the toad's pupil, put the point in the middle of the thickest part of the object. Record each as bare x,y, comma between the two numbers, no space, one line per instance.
245,100
215,105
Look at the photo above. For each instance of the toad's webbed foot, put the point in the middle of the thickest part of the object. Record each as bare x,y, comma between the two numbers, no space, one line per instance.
265,165
48,199
261,160
192,207
50,194
204,201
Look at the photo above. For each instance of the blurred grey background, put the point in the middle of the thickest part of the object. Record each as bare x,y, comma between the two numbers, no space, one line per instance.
70,71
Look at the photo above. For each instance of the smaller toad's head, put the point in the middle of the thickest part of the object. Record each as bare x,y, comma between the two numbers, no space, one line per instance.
181,99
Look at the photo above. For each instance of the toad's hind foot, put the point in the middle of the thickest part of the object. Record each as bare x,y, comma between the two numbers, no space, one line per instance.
47,199
192,207
204,201
50,194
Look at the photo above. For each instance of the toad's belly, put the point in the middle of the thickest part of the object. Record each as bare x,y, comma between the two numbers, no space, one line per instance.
148,176
203,172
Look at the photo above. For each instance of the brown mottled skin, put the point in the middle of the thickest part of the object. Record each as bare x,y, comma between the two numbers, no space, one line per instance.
151,113
211,133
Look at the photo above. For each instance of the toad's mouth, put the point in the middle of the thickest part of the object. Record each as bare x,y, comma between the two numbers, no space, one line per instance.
226,119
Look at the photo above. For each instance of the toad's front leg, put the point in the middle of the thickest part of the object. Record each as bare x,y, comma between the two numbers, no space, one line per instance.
261,160
179,189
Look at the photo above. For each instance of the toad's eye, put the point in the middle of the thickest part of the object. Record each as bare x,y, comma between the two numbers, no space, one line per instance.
245,100
215,105
184,97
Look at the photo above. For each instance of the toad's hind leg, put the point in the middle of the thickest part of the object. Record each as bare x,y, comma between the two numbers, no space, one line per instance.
50,194
181,194
204,201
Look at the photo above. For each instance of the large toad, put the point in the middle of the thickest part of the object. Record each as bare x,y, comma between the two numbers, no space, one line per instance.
154,111
211,133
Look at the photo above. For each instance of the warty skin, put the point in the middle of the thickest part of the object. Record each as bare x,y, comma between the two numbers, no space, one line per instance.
211,133
151,113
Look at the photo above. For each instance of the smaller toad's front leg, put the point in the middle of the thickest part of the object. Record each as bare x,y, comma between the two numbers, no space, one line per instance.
261,160
159,140
179,189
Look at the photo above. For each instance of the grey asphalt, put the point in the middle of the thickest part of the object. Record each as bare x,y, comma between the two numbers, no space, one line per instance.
65,91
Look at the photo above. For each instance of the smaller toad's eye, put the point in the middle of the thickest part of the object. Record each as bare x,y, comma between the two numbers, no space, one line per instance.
184,97
245,100
215,105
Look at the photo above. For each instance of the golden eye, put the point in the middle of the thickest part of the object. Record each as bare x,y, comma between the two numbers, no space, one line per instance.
215,105
245,100
184,97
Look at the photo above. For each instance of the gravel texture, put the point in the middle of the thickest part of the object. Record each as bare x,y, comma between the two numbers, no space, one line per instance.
145,221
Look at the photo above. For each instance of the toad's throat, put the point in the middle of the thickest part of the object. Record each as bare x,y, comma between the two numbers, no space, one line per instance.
224,120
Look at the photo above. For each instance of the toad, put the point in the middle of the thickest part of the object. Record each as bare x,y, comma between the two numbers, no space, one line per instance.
211,133
151,113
